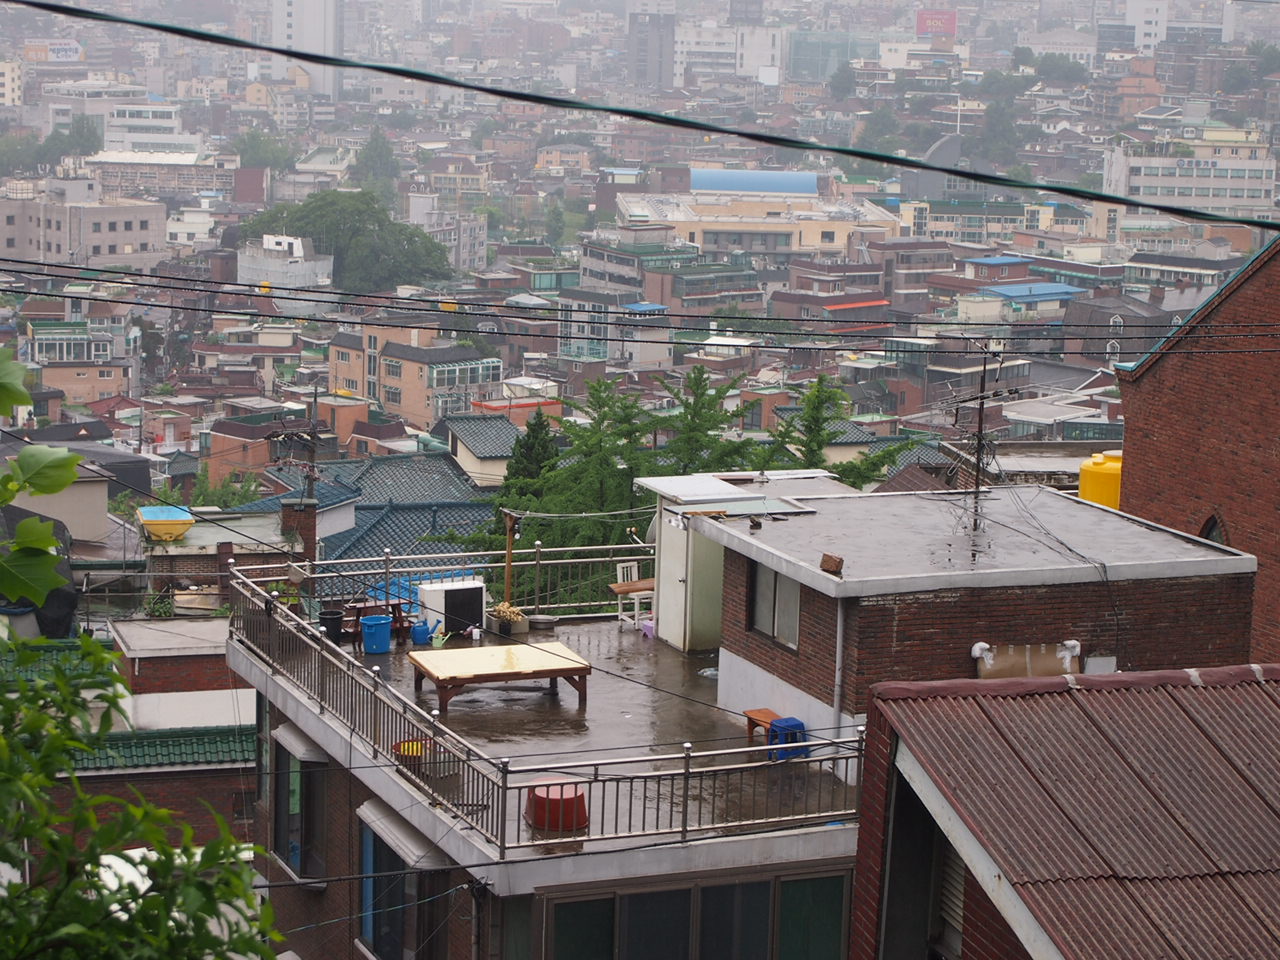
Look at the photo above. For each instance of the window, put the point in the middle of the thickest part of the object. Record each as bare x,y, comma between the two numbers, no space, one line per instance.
106,374
373,342
9,220
382,898
111,226
349,384
344,356
1214,530
96,249
765,919
391,395
299,803
392,368
828,236
144,224
128,225
774,605
10,242
111,248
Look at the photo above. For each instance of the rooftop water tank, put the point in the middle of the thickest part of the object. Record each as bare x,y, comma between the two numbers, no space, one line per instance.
1100,479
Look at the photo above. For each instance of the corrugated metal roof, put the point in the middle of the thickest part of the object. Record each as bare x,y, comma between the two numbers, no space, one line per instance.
1135,815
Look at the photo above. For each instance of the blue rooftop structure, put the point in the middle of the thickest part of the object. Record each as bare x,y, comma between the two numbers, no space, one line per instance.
1033,292
753,181
645,307
998,261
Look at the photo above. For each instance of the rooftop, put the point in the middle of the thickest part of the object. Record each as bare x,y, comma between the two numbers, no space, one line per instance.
1108,843
908,542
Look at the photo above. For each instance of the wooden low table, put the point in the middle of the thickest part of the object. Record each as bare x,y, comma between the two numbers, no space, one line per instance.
451,670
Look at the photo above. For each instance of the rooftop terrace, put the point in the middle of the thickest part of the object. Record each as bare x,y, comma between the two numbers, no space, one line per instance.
649,748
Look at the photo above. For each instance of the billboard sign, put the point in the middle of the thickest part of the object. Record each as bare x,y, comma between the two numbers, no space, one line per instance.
935,23
52,51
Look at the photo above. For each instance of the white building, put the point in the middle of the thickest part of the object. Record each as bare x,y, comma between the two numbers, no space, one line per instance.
316,27
706,52
465,236
282,262
1150,22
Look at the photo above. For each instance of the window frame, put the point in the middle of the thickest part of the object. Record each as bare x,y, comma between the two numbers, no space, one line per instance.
780,594
301,773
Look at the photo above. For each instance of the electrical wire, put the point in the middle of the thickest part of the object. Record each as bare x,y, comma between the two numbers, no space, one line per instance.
962,351
416,305
647,116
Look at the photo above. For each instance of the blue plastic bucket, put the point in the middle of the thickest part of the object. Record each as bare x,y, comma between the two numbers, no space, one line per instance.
377,634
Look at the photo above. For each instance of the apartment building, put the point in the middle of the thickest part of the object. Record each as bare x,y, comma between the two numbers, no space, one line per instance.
418,383
123,173
985,221
1224,170
69,222
12,78
615,260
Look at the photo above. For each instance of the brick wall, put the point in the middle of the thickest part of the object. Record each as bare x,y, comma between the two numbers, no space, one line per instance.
179,674
1188,452
928,636
868,873
194,795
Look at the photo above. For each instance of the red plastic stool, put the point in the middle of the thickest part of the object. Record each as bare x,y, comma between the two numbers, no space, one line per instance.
561,807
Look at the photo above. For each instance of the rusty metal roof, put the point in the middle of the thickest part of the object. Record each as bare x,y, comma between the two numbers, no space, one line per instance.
1133,814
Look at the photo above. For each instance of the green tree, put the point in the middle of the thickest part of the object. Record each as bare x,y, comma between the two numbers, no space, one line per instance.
1020,171
258,149
698,427
370,251
1059,70
555,225
872,467
822,405
1237,78
376,160
1023,57
841,83
535,453
64,895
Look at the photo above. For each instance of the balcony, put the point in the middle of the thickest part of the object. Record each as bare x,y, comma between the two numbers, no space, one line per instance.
650,752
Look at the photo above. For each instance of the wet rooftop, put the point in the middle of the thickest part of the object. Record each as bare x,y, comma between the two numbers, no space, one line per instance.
627,711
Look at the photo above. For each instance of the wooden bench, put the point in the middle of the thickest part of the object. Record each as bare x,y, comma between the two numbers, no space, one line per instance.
759,717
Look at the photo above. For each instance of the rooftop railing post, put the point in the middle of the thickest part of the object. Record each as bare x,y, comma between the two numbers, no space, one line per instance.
684,813
503,773
862,753
537,576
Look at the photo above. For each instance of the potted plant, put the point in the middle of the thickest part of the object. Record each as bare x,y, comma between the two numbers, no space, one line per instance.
509,618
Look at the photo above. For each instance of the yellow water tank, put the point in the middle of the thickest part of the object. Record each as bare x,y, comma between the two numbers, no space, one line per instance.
1100,479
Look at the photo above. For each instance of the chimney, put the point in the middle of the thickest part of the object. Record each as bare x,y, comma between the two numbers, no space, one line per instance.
298,525
1155,296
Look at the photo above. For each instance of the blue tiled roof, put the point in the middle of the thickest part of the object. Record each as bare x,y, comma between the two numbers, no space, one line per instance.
327,495
401,527
1034,291
407,478
753,181
488,436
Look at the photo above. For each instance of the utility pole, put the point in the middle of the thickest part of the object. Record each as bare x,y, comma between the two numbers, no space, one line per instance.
991,349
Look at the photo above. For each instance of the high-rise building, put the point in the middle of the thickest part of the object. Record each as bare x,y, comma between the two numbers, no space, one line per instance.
11,81
651,43
314,26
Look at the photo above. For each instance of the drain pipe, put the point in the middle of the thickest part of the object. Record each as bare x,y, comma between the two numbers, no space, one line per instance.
837,723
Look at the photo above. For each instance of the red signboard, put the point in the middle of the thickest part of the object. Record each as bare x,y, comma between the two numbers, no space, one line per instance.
935,23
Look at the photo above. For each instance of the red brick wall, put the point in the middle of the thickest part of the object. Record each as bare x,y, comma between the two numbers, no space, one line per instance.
928,636
868,873
179,674
186,793
1190,452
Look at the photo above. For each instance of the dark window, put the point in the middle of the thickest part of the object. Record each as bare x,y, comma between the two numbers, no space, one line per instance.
775,605
1214,530
382,899
584,930
97,228
128,225
9,220
111,248
96,249
299,813
144,224
111,226
10,242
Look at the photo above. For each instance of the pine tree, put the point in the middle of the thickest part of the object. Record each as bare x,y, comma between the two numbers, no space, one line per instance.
534,453
698,428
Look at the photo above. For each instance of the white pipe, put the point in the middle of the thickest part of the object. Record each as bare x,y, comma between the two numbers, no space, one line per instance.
837,722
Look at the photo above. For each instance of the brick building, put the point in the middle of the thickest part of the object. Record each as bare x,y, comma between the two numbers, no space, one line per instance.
1208,481
919,587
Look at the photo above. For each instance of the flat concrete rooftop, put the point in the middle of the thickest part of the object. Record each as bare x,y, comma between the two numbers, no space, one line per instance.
627,714
1027,534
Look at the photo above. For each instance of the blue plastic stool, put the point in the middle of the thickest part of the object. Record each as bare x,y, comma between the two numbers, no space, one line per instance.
787,730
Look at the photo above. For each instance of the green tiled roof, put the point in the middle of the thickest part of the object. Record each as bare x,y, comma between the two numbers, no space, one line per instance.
488,436
177,747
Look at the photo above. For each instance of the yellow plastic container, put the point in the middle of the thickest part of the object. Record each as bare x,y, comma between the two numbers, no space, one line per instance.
1100,478
165,523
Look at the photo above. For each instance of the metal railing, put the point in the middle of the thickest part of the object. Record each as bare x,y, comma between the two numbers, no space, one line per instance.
685,794
559,581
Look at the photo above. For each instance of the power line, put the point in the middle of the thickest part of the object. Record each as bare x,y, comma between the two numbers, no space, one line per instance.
646,116
798,347
414,305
